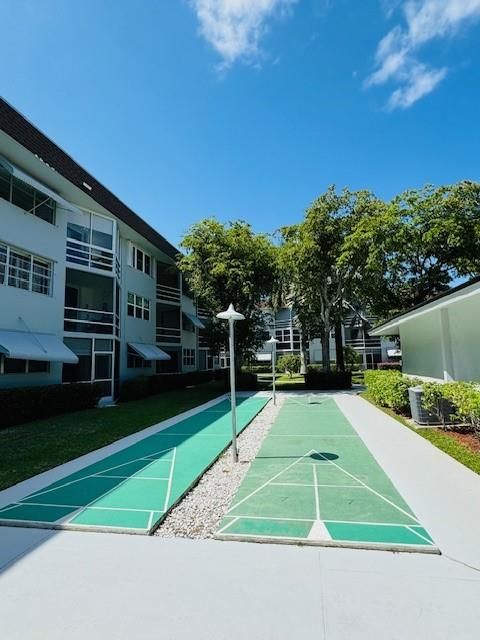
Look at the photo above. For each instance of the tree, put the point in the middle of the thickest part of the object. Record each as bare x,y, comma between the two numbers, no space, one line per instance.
312,254
289,364
226,264
412,248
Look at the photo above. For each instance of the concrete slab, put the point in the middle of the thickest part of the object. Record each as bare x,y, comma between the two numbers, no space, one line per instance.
443,493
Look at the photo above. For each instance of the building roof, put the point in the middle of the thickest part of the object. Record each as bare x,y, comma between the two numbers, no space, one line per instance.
390,326
15,125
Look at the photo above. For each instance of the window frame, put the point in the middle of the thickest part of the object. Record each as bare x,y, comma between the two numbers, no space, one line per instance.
39,198
139,308
26,367
139,260
189,357
36,281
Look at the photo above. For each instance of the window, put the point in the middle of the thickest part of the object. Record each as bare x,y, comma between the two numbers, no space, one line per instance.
189,357
12,366
26,197
138,307
23,271
90,228
140,260
134,361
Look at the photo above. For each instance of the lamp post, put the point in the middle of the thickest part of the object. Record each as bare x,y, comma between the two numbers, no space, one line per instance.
231,315
273,341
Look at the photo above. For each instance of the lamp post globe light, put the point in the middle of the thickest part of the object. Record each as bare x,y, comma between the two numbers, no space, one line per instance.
273,341
231,315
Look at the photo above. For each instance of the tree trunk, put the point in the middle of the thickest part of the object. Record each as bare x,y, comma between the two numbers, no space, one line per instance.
326,349
303,355
339,347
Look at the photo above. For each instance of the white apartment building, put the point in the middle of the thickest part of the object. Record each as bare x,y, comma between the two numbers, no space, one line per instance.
88,290
356,334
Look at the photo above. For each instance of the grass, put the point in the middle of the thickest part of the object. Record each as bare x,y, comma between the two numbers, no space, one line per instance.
31,448
283,381
438,437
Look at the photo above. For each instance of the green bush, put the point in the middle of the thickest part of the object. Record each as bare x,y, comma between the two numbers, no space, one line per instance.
243,381
33,403
389,389
465,398
351,356
389,366
323,380
289,363
144,386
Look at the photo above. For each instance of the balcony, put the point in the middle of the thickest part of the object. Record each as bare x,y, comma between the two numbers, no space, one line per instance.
91,304
168,294
90,257
365,344
168,335
168,283
80,320
169,323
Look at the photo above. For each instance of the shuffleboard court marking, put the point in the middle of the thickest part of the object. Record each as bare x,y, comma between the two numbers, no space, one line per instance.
115,485
170,477
265,484
379,495
356,463
99,474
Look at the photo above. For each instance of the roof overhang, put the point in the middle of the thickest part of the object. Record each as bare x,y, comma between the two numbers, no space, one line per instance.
462,292
22,345
149,351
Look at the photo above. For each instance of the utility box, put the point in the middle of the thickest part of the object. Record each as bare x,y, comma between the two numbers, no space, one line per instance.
424,417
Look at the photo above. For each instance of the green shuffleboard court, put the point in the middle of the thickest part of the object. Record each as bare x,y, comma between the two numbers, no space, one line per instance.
315,482
133,489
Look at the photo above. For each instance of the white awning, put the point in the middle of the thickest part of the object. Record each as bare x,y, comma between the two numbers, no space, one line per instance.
149,351
263,357
24,177
22,345
196,321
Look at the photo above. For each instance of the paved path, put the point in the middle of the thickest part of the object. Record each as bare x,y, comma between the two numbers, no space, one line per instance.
60,584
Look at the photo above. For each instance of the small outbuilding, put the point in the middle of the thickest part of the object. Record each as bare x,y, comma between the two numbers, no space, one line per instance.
440,338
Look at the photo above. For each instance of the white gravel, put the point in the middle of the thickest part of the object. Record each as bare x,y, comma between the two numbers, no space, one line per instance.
200,512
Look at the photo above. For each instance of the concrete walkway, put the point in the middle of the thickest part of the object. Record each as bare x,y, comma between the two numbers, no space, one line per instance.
75,585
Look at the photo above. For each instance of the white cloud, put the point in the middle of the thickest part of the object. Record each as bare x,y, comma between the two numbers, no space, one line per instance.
397,53
234,27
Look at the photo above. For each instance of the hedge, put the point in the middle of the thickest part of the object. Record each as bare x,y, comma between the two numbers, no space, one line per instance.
244,381
324,380
144,386
33,403
389,389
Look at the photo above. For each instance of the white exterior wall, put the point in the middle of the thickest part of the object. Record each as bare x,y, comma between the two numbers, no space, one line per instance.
420,343
22,310
465,338
135,329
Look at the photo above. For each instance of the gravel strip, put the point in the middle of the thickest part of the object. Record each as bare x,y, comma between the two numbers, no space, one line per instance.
200,512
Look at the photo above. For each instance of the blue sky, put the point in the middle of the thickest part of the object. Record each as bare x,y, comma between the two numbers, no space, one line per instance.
249,108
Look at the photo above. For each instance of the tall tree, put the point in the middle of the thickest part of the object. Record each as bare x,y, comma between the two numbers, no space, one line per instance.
226,264
312,253
413,247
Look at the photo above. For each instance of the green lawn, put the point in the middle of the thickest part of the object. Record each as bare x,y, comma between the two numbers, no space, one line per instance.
283,381
31,448
439,438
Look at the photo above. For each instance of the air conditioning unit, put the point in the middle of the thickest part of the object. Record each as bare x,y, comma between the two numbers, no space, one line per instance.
424,417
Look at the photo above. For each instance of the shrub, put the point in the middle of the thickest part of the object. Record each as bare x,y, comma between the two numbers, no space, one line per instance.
389,366
315,379
34,403
243,381
289,363
389,389
144,386
465,398
259,368
351,356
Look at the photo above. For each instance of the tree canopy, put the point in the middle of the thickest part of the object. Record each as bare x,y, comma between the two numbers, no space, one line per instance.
229,263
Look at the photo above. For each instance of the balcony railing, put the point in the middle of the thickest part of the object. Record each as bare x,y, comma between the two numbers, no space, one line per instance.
91,257
203,314
91,321
169,335
168,294
364,344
